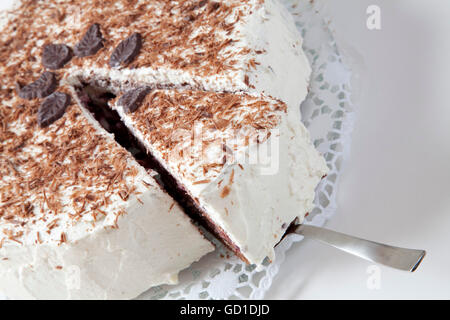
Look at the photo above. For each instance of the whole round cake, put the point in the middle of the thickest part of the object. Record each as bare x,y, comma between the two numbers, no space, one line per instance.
122,123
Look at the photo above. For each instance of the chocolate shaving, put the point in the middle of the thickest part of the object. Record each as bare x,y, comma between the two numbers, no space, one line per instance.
55,56
42,87
126,51
91,42
53,108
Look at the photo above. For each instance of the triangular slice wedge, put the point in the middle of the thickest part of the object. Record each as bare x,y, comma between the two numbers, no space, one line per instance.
243,163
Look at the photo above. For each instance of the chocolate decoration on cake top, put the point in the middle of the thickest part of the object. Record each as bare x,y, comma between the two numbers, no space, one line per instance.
52,108
133,98
126,51
55,56
91,42
40,88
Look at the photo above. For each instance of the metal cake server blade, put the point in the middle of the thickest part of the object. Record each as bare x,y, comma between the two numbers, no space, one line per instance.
395,257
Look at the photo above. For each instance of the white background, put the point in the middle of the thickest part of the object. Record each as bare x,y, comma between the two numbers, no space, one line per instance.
395,186
396,183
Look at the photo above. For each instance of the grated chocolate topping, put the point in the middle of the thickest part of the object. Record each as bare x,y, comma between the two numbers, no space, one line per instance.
200,37
172,120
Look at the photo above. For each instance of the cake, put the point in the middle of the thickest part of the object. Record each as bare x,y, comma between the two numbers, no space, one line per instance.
115,118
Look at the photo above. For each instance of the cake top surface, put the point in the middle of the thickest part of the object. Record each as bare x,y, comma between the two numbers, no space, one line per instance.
198,132
200,37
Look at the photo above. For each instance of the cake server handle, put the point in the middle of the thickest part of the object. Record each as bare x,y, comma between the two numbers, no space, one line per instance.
395,257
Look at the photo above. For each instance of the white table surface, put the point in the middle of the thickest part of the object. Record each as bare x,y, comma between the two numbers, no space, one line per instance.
396,183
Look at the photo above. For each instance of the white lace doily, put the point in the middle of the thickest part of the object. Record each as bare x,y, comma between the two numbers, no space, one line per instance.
327,114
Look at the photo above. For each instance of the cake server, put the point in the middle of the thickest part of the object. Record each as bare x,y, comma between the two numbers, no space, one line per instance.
395,257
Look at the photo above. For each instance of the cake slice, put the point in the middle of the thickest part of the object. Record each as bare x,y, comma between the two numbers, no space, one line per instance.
236,160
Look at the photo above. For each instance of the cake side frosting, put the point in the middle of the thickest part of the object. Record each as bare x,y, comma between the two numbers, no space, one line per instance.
271,32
